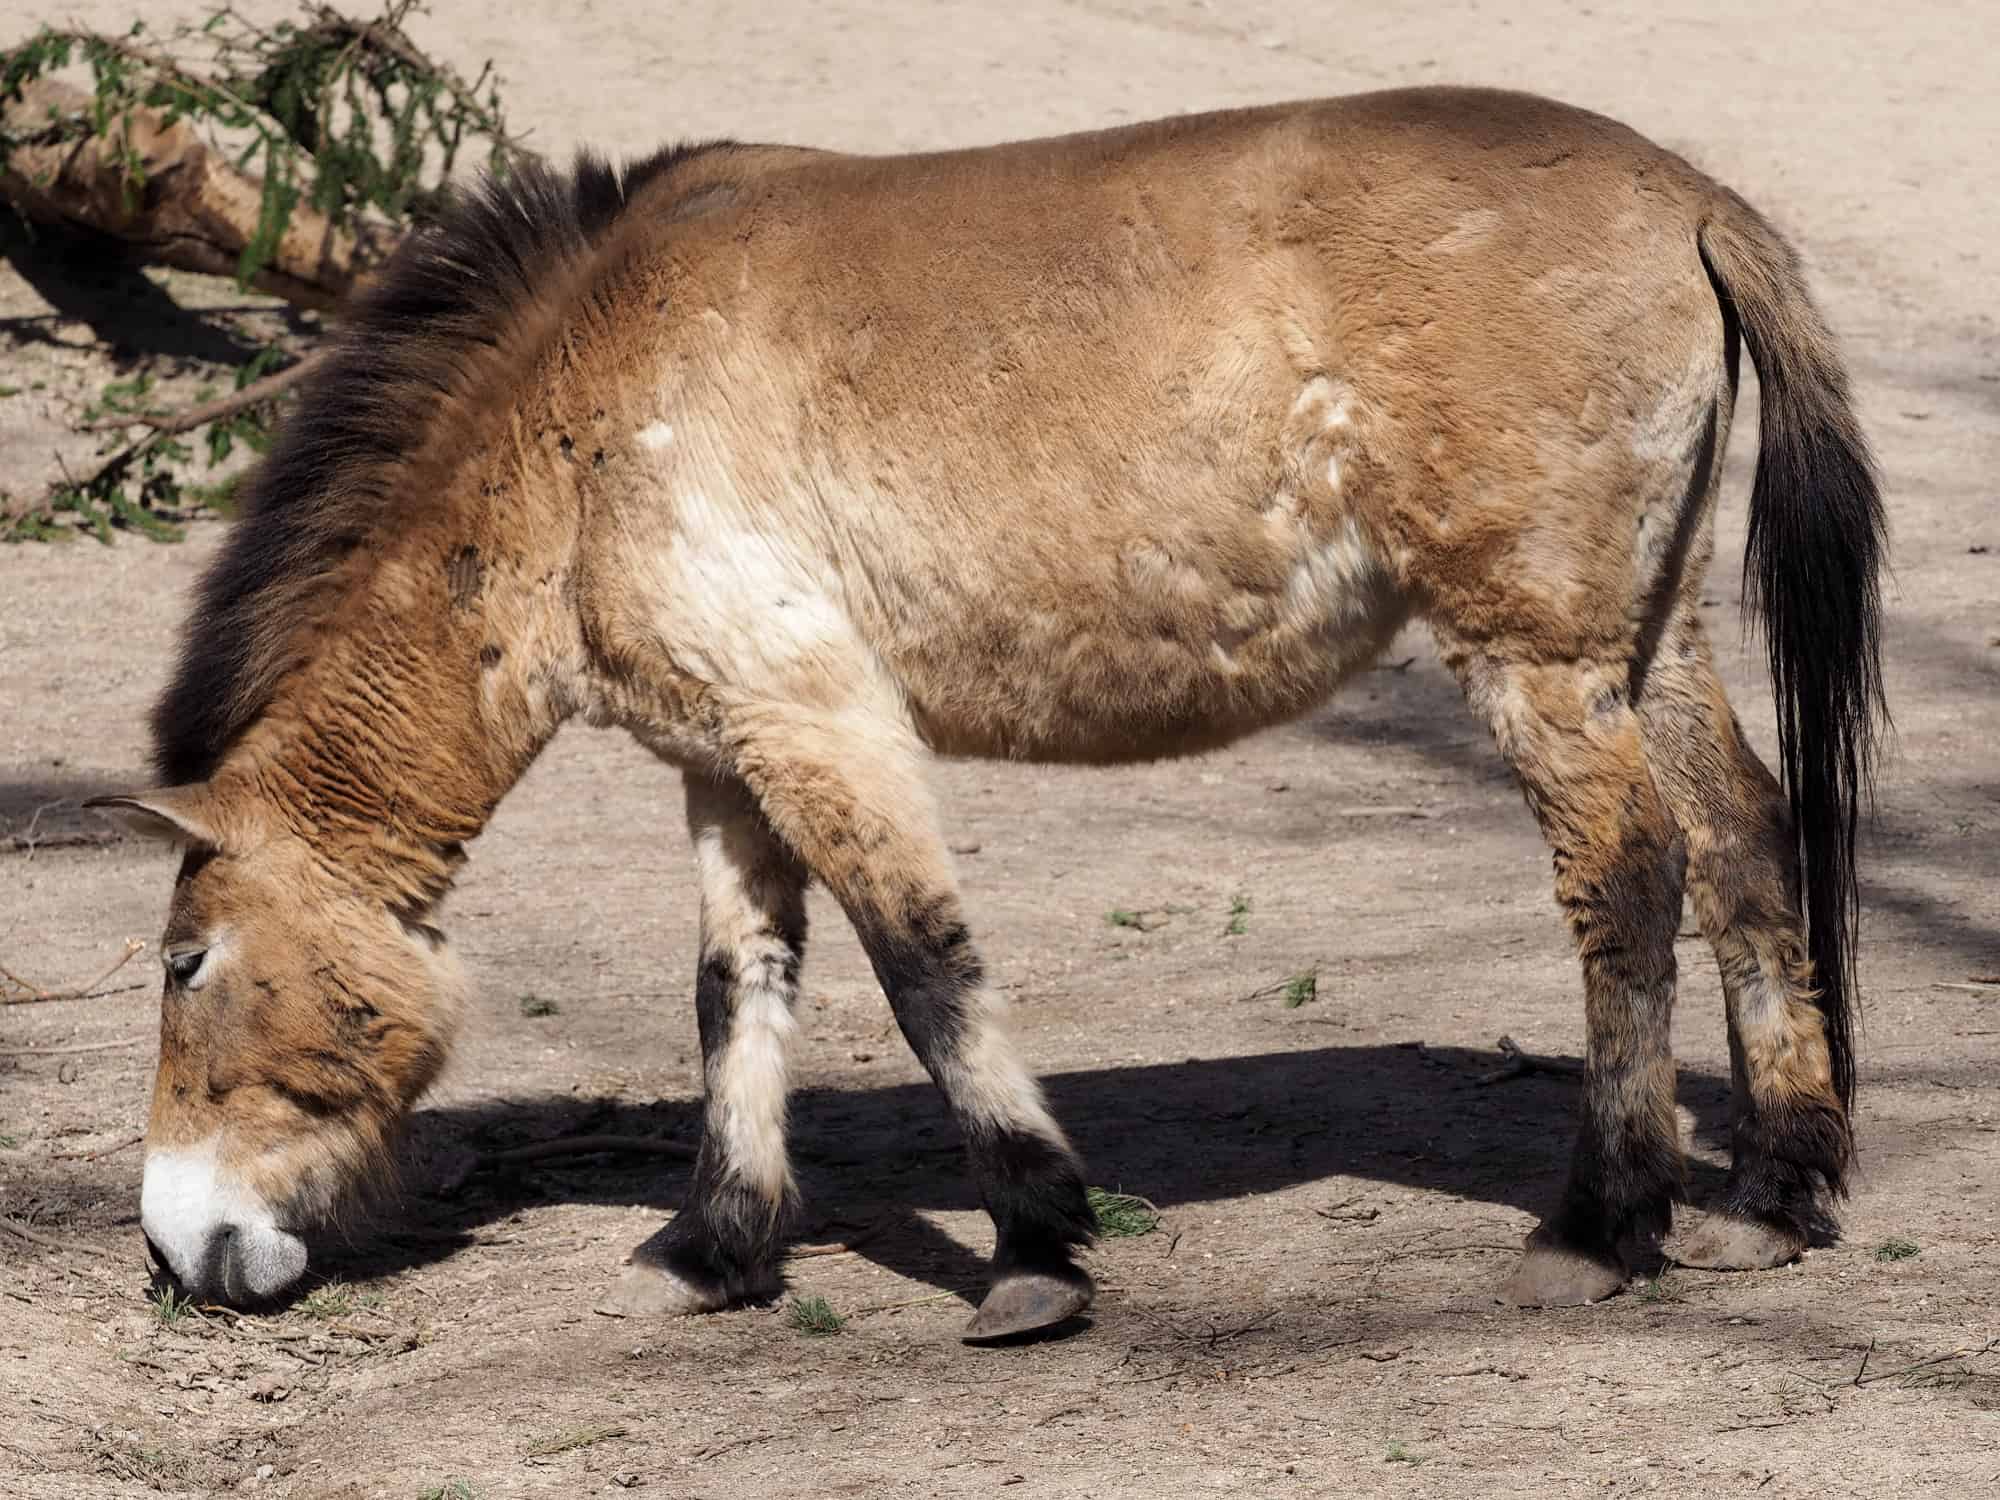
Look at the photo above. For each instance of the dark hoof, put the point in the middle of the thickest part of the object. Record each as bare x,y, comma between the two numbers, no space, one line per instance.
1722,1242
650,1291
1024,1301
1553,1275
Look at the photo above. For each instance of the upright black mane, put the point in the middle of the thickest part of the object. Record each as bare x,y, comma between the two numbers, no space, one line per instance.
406,345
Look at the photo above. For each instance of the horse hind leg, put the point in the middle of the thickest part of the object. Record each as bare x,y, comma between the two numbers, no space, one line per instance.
1574,742
722,1247
846,792
1790,1139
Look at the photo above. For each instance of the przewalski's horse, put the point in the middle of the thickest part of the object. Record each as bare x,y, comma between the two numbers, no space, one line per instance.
803,467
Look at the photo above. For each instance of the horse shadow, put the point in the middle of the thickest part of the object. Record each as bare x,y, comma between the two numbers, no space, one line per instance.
873,1162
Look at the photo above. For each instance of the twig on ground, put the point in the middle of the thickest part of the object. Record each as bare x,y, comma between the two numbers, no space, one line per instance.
715,1449
589,1145
893,1306
1283,986
130,1041
48,1242
1863,1378
1520,1064
34,994
125,1145
833,1247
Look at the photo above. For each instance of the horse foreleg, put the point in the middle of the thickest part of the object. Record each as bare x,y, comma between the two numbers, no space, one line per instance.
722,1247
848,795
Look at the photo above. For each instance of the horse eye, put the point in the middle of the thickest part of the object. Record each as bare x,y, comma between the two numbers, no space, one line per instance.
184,966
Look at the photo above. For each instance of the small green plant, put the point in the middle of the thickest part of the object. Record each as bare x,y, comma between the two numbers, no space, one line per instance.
1896,1249
814,1317
1656,1289
1239,917
8,1142
333,1300
1301,989
169,1306
536,1006
451,1489
1119,917
1120,1215
582,1437
1398,1454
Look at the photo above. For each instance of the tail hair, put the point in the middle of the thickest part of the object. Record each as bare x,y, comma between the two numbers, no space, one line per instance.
1811,579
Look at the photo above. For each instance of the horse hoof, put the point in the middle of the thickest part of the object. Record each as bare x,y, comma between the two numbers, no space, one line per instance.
1024,1301
1723,1242
645,1291
1549,1276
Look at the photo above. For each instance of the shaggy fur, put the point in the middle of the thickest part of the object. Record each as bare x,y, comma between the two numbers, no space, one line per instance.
409,359
803,468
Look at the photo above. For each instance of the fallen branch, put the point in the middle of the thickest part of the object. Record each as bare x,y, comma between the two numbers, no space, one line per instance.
34,994
197,212
164,426
388,38
170,423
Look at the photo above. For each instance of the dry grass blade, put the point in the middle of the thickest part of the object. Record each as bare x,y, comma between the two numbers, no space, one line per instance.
583,1437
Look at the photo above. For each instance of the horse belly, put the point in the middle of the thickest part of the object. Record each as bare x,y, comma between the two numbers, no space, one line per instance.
1152,652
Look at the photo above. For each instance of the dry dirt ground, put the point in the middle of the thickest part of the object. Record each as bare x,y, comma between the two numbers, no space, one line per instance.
1341,1188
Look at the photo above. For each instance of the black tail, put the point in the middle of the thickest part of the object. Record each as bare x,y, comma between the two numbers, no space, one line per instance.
1817,536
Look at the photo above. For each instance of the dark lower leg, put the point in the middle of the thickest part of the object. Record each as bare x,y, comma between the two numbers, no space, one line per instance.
1625,1172
1028,1175
855,809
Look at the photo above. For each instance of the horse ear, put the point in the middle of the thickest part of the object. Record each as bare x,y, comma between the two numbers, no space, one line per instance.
175,814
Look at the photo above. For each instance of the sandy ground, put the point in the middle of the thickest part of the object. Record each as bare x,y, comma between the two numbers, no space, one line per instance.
1341,1191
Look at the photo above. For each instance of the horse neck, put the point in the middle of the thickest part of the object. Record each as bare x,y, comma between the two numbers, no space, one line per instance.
434,686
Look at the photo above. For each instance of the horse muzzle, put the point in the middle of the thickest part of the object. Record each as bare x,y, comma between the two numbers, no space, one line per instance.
219,1240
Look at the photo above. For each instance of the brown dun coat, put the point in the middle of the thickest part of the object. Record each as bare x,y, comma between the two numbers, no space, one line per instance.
805,467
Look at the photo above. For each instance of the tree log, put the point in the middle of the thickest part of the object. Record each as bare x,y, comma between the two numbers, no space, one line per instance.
191,209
